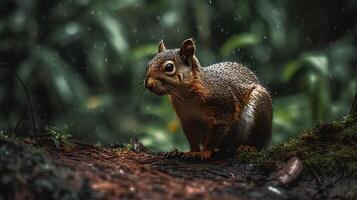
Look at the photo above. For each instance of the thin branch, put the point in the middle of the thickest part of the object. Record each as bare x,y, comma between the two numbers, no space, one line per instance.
20,120
28,102
354,105
29,105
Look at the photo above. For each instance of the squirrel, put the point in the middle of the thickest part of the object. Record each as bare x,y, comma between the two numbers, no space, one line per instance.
220,107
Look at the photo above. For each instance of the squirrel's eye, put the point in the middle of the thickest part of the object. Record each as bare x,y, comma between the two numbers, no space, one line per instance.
169,67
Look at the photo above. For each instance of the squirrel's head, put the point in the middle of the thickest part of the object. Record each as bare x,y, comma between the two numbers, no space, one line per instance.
172,70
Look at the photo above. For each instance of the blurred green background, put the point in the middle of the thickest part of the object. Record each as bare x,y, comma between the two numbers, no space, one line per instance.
84,61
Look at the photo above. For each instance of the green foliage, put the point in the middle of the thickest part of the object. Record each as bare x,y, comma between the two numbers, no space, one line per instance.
7,134
84,61
238,41
56,136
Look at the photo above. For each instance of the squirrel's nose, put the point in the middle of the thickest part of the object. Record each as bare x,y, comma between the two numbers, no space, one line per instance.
149,84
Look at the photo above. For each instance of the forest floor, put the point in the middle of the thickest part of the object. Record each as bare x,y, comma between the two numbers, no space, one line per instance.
327,155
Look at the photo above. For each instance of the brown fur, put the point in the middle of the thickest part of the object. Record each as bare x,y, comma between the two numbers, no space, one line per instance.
221,106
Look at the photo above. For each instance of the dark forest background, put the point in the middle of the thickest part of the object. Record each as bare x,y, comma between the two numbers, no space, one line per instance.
83,62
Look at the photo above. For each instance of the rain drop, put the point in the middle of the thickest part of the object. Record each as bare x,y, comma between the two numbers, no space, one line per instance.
131,188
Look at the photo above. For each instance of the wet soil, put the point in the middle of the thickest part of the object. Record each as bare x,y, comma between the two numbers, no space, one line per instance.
74,170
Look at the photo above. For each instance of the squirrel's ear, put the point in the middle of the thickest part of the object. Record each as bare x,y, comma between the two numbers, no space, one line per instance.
187,48
161,46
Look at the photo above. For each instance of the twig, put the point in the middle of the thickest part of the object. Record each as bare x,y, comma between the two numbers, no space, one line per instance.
317,177
354,105
20,120
27,98
29,104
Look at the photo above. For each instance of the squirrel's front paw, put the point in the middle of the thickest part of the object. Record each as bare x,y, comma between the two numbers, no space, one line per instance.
201,155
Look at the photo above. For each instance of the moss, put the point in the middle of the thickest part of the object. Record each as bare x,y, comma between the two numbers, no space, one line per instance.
251,157
327,148
339,157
